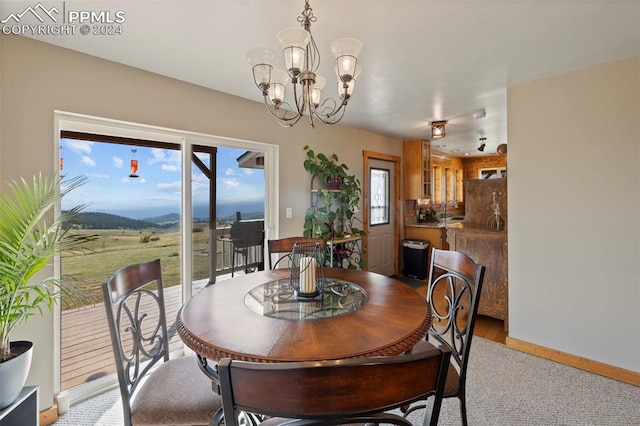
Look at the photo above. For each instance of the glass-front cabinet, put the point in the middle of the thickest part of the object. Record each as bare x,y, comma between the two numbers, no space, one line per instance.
417,170
447,174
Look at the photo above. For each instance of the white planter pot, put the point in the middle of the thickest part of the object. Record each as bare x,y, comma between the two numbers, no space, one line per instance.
13,374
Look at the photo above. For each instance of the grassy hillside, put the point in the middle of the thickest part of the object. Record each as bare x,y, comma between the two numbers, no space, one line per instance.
114,248
95,220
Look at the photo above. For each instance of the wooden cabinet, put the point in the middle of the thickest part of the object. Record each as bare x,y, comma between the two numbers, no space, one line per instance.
446,178
437,236
485,246
416,157
489,248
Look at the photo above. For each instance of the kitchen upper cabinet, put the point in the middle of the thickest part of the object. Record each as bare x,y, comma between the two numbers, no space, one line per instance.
416,156
447,178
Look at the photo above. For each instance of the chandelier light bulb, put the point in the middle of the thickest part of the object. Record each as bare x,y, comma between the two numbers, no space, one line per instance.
350,84
278,87
346,51
294,43
318,87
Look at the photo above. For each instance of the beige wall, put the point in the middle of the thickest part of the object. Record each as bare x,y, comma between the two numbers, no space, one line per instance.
38,78
574,198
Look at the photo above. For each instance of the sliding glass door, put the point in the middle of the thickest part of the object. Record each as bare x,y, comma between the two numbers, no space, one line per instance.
140,207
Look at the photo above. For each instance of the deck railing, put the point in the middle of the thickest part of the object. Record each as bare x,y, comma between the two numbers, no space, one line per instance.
224,253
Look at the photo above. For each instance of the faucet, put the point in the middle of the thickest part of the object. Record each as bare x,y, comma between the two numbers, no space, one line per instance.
444,214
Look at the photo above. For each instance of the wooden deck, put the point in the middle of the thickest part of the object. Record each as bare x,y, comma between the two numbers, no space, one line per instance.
86,344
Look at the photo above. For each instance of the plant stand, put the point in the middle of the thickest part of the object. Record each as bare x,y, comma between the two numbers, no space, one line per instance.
24,410
351,245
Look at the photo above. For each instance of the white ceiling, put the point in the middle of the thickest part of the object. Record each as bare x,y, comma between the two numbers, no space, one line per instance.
421,60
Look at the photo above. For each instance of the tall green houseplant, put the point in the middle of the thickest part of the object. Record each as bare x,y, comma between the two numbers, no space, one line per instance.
29,239
332,213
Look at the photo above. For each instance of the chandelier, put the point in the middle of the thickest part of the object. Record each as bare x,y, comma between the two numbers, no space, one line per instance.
302,60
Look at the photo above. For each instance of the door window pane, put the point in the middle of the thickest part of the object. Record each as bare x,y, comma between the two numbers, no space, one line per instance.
379,214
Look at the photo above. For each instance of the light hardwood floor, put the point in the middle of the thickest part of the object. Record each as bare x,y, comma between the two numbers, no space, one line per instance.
490,328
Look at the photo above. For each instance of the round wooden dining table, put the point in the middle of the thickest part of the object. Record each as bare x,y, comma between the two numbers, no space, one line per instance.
222,321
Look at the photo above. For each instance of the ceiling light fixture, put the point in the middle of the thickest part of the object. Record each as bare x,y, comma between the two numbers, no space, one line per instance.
437,129
482,144
302,58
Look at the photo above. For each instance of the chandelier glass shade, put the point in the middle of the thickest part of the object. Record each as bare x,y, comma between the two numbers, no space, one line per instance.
301,61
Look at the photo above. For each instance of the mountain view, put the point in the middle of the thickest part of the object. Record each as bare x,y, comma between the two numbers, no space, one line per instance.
225,213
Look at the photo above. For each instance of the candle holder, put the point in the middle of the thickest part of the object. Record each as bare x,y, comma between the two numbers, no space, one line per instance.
307,272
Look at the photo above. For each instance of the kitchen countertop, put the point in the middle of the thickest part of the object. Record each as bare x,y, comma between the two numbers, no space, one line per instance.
444,224
453,224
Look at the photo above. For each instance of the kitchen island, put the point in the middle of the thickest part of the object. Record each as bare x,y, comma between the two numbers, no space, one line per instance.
489,248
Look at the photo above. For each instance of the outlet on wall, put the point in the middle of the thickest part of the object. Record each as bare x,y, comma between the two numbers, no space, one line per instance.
289,213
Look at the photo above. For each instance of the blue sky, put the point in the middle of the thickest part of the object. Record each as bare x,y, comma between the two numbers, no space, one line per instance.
157,189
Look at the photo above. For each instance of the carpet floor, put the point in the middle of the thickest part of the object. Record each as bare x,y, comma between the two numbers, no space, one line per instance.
504,388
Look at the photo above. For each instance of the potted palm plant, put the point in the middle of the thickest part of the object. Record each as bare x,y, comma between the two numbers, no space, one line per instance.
29,239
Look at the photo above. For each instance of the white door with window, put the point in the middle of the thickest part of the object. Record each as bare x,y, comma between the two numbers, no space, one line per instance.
381,239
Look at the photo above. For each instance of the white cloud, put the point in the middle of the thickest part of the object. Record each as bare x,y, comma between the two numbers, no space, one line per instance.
230,183
168,159
88,161
171,187
78,147
99,176
249,172
127,179
229,172
158,155
169,168
117,162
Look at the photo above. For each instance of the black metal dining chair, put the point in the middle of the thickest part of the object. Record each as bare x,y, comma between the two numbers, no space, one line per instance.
245,236
155,390
453,294
355,390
